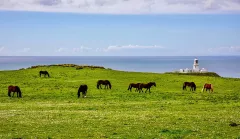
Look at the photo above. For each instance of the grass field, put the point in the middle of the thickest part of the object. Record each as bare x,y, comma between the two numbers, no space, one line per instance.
50,108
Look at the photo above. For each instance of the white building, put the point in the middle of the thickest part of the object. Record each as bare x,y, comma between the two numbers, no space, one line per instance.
195,68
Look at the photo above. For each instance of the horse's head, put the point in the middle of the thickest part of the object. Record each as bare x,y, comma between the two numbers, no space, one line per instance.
153,84
193,85
194,88
211,88
110,86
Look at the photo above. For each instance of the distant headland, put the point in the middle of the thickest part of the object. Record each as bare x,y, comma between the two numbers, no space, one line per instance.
78,67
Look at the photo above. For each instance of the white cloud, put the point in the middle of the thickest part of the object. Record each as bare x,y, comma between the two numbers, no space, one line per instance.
81,49
124,6
75,50
230,49
115,48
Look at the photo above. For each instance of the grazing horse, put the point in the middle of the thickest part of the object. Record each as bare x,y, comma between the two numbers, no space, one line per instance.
104,82
14,89
207,87
134,85
44,73
192,86
148,86
83,88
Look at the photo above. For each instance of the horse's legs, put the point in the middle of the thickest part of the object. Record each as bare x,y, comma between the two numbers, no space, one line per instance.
146,90
136,89
139,90
78,94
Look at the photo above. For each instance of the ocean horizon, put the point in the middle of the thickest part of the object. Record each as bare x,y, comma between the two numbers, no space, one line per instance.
225,66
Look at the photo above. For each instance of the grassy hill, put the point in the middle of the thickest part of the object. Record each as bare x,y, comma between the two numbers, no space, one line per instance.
50,107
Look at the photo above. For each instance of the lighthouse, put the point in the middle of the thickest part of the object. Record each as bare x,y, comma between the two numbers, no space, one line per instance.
195,65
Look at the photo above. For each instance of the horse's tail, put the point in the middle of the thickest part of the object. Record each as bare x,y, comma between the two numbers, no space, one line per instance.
9,92
203,88
110,86
19,91
184,86
40,73
98,85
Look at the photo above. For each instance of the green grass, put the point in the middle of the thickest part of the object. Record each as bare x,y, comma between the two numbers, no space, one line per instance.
50,107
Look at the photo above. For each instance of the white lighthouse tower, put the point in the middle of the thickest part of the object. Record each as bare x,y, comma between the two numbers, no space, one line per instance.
195,65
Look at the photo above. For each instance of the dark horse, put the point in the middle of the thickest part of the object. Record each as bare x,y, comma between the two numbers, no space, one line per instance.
14,89
148,86
192,86
83,88
104,82
133,85
208,87
44,73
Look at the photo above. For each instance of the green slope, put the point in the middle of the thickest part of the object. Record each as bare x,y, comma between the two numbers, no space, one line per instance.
50,107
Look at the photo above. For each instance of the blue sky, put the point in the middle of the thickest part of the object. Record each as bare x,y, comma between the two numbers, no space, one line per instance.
104,28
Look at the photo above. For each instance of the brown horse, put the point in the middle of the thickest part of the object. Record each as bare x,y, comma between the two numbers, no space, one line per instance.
104,82
208,87
192,86
134,85
44,73
83,88
14,89
148,86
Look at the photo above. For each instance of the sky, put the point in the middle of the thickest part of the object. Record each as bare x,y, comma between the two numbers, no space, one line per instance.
119,27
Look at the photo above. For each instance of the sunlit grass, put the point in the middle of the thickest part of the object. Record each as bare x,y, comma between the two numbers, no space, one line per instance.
50,107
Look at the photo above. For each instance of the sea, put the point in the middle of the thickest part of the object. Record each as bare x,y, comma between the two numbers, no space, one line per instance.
225,66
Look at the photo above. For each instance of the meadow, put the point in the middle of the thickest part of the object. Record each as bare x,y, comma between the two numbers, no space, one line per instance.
50,108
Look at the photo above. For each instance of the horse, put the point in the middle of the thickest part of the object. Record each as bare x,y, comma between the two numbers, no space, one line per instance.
104,82
44,73
14,89
192,86
148,86
208,87
83,88
133,85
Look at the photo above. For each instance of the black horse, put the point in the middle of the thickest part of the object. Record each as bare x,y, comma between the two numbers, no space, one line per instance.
133,85
44,73
83,88
104,82
14,89
192,86
148,86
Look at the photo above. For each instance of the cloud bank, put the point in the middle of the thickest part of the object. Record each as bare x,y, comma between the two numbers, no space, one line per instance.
230,49
124,6
124,47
